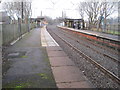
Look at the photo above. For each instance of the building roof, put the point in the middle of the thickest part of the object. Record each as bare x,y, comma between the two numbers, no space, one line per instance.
4,17
73,19
39,19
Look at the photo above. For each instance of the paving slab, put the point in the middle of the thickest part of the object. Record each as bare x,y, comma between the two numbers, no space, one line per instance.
60,61
55,48
82,84
67,74
56,54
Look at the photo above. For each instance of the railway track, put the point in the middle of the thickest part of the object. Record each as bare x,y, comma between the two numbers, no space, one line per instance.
78,41
103,69
100,46
105,60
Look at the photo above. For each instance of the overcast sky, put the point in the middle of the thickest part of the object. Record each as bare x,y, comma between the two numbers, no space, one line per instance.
54,8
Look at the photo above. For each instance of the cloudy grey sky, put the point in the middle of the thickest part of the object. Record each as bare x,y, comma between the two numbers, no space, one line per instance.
54,8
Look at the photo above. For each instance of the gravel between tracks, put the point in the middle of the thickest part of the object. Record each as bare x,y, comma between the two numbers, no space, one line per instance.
105,61
98,78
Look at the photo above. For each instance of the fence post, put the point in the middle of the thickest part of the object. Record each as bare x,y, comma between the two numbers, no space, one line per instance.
110,29
114,29
19,28
1,35
28,25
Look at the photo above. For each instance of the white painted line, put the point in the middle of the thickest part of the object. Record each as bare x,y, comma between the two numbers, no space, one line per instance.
52,38
46,38
12,43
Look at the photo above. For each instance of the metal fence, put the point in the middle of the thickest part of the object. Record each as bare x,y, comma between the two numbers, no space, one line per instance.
11,32
110,29
0,36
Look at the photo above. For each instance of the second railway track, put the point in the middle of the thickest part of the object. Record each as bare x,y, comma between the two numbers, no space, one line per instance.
103,69
105,60
93,43
104,54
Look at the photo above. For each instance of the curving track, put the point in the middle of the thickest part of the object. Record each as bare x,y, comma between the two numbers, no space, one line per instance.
67,39
115,59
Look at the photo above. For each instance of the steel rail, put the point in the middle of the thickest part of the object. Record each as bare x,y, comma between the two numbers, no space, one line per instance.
114,59
104,70
96,44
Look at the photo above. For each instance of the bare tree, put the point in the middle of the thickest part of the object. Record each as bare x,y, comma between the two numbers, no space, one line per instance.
20,9
81,9
95,10
91,10
108,10
8,7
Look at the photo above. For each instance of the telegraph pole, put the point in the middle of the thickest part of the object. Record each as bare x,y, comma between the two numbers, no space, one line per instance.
105,17
22,11
62,14
41,13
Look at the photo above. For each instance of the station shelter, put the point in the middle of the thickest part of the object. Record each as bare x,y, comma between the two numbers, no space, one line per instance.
39,21
74,23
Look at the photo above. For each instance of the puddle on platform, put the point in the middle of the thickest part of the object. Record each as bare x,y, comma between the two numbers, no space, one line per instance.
17,54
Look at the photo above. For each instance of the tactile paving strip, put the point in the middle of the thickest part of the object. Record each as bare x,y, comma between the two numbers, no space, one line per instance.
46,38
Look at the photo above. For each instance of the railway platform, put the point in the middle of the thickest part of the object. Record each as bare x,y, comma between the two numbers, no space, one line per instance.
111,40
27,65
37,61
96,61
66,74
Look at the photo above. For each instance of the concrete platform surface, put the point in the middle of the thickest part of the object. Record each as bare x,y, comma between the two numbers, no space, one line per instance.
31,69
81,84
60,61
66,74
41,63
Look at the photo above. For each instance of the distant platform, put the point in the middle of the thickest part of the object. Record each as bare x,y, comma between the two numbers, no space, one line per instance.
112,40
97,34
